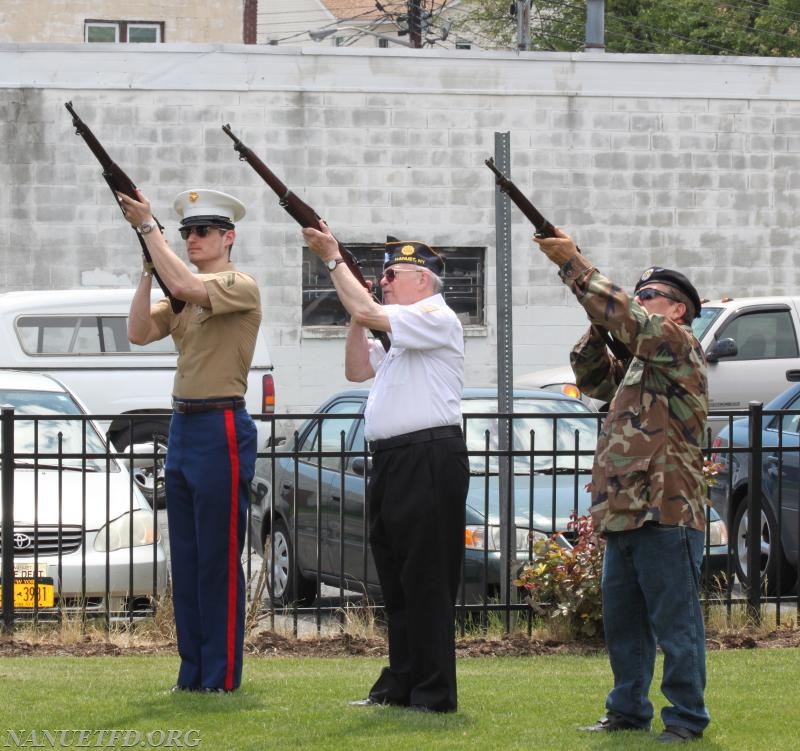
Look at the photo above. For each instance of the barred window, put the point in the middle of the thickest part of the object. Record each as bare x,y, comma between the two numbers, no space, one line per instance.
464,283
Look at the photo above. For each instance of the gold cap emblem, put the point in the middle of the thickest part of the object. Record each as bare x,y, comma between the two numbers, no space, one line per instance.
193,196
407,250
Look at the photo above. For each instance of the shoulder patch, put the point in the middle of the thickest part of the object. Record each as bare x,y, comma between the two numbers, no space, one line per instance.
430,308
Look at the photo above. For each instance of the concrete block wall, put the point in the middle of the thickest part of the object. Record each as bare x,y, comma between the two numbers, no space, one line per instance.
680,161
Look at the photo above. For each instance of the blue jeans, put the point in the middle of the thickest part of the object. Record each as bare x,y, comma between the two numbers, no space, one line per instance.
651,595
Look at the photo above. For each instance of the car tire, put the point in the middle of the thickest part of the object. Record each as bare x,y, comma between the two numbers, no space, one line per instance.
150,480
285,584
774,564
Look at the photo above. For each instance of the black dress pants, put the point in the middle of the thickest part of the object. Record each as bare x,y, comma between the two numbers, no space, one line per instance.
417,497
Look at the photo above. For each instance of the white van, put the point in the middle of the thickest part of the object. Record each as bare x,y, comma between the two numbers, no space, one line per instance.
80,337
751,344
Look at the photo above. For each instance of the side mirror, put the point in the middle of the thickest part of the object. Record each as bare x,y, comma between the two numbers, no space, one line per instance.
361,465
722,348
144,455
280,440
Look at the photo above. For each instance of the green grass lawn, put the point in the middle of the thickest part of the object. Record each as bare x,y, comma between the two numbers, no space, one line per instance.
527,703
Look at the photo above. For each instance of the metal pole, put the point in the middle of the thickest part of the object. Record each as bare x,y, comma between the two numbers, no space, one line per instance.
415,23
7,432
505,367
754,515
523,24
595,25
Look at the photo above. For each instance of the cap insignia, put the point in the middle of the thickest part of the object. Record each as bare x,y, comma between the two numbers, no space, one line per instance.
407,250
193,196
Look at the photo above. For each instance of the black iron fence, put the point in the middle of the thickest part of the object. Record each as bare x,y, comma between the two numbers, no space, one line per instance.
84,529
79,538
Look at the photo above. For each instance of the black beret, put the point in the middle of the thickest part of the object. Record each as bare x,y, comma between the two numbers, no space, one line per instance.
415,253
673,279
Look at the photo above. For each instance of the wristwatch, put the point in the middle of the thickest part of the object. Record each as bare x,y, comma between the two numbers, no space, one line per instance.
146,227
333,263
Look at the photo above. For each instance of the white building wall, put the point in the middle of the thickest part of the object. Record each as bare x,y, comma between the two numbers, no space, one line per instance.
689,162
63,20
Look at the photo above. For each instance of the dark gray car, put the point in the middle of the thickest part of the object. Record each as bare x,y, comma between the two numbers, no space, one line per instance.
318,528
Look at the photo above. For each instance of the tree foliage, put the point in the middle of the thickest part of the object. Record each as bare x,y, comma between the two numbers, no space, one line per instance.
768,28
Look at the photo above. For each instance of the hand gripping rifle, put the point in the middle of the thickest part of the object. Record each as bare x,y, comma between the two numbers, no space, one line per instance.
544,228
302,213
119,182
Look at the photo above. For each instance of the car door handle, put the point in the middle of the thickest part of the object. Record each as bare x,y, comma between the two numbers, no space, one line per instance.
336,498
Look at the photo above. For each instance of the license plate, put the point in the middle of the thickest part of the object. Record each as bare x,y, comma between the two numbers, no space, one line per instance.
26,592
24,570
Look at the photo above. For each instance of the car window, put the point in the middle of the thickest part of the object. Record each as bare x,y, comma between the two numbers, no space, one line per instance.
790,423
762,335
82,335
325,434
548,431
51,438
358,444
702,323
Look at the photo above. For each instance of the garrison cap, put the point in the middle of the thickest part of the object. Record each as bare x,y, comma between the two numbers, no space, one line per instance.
203,206
413,252
673,279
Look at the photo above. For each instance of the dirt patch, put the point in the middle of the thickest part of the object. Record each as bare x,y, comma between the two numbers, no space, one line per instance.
272,644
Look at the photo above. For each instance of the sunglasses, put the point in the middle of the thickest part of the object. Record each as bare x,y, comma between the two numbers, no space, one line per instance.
650,293
390,273
201,230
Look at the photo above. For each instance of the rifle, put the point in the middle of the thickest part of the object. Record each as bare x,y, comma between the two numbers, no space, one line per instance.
119,182
544,228
303,214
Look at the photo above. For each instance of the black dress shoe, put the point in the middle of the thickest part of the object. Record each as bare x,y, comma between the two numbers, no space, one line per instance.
678,734
368,702
210,690
177,688
611,724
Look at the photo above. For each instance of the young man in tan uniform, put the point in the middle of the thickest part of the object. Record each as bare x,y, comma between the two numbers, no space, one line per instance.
212,439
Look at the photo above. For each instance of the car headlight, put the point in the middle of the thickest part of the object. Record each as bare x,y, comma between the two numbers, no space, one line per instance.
133,529
488,537
717,532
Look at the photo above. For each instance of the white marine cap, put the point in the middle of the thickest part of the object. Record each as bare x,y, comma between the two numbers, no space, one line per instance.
203,206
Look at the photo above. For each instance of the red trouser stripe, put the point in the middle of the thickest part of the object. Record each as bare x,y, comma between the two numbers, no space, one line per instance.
233,545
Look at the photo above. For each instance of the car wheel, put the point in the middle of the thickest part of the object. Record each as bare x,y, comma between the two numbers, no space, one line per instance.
772,561
150,440
284,583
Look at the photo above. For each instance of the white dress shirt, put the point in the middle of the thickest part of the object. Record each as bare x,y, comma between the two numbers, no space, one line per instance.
418,382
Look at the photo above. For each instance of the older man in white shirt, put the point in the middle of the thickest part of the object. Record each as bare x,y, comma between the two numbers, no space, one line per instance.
420,472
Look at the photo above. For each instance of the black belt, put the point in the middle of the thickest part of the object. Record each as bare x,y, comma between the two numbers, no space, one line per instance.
417,436
187,406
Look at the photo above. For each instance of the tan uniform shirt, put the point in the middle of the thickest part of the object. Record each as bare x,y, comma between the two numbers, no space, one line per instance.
215,345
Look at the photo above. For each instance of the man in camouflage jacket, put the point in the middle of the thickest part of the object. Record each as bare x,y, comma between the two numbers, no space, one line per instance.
648,490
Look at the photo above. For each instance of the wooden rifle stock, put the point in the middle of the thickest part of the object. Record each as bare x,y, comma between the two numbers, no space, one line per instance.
119,182
544,228
302,213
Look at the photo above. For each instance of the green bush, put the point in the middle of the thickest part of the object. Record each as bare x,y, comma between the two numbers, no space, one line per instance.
564,582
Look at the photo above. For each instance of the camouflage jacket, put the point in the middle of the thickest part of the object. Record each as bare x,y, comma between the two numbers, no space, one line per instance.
649,464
